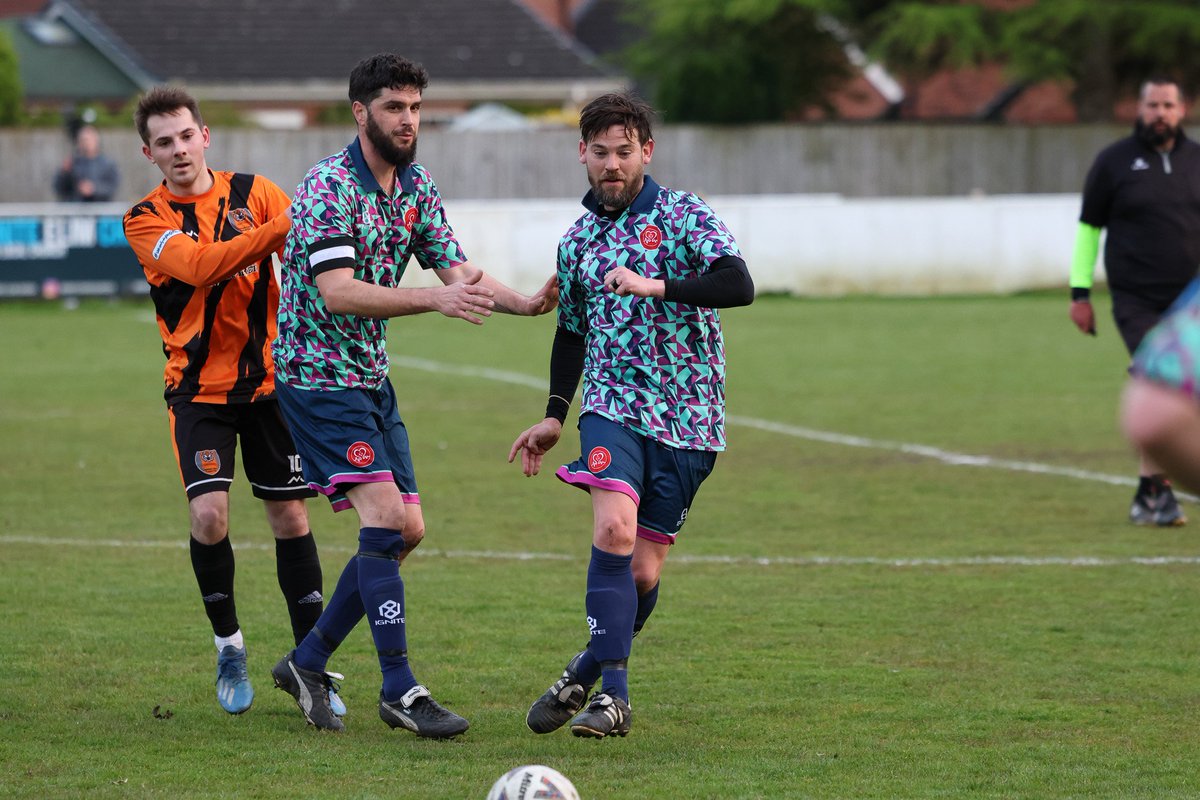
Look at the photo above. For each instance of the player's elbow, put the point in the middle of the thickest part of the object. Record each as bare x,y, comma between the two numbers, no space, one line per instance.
336,302
745,294
742,292
336,288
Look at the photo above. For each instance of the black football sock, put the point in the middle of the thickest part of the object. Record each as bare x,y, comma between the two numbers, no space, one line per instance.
299,571
213,565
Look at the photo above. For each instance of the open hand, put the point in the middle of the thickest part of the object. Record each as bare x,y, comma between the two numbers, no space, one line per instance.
465,299
534,443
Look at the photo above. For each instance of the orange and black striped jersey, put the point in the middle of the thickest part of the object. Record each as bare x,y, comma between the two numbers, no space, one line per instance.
208,261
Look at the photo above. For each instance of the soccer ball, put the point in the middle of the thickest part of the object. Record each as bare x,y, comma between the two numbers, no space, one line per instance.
533,781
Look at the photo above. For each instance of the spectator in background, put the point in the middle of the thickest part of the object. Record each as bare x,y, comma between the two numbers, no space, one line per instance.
87,175
1145,190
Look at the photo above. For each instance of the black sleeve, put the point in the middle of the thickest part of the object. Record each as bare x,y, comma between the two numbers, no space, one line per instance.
1097,194
566,367
726,284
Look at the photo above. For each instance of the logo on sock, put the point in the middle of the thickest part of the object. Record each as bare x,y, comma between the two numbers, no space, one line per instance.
592,623
360,454
390,611
311,597
208,462
215,597
599,459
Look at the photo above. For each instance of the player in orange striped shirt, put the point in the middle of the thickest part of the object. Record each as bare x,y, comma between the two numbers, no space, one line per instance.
205,240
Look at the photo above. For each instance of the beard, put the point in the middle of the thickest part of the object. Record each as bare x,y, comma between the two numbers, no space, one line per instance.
616,198
388,150
1156,136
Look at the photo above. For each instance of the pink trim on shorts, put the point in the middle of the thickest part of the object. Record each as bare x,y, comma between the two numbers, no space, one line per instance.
331,488
340,480
655,536
586,480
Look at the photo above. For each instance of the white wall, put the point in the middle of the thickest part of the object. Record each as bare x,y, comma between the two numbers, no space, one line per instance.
824,244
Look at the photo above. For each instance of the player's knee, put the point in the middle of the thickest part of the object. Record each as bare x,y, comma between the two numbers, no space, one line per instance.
288,518
614,534
413,534
645,576
210,521
1152,415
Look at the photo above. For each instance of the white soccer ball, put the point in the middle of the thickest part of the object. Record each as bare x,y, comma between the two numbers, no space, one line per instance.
533,781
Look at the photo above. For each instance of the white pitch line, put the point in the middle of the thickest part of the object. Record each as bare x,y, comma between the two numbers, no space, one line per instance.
752,561
828,437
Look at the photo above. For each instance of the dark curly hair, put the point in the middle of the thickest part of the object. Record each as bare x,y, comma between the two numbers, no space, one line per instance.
616,108
385,71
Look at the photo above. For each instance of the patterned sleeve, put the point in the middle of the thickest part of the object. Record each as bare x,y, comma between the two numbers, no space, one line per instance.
570,299
707,237
323,224
434,243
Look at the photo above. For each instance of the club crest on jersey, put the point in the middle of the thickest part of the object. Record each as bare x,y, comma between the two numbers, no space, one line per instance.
360,454
651,237
241,219
208,462
599,459
410,218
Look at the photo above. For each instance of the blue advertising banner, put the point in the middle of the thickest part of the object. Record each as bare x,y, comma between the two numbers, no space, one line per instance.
66,250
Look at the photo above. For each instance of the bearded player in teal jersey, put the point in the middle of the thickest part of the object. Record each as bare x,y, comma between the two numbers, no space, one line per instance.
640,275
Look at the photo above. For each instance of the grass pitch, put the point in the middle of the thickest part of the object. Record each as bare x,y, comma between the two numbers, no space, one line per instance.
910,576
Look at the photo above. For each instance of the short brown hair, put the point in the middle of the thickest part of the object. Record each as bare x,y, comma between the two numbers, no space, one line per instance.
163,100
616,108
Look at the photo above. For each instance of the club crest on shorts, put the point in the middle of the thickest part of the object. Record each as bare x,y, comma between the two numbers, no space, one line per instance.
651,237
599,459
241,219
360,454
410,218
208,462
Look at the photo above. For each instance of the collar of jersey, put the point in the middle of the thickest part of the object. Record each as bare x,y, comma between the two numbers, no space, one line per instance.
367,178
641,204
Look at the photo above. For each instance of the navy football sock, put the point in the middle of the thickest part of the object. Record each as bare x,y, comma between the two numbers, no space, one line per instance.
614,680
299,572
213,565
588,669
611,604
343,612
382,592
646,603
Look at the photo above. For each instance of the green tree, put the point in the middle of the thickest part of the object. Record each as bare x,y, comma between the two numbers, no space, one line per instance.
10,81
1106,48
735,61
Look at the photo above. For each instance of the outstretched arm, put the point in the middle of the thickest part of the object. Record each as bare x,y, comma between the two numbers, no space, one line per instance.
507,300
345,294
566,367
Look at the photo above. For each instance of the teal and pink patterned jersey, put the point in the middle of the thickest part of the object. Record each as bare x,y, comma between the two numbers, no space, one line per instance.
1170,353
656,367
341,217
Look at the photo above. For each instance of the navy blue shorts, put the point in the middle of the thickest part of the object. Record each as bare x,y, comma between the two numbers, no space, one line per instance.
661,480
347,437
